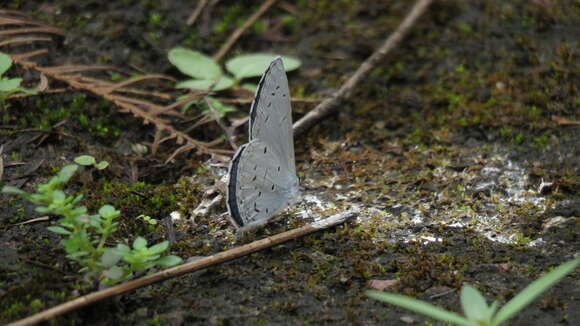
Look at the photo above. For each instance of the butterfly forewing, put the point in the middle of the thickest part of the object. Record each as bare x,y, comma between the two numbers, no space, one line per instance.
271,113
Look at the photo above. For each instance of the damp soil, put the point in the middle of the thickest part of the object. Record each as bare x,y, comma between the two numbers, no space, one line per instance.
449,151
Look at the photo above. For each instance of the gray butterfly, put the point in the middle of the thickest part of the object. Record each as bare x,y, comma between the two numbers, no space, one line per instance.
262,174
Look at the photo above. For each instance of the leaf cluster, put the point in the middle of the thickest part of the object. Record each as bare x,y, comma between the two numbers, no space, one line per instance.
86,234
9,86
209,76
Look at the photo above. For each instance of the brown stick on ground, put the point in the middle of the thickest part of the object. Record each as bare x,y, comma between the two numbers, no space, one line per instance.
200,5
331,104
185,268
238,32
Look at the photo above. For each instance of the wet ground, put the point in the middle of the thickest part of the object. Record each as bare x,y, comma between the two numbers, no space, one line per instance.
449,151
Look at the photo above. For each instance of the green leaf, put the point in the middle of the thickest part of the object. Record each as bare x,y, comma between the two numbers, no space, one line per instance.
13,190
254,65
43,210
85,160
168,261
473,304
67,172
58,197
249,86
109,212
205,84
219,107
140,243
5,63
159,248
532,291
122,250
110,258
9,84
194,64
95,221
114,273
58,230
419,307
102,165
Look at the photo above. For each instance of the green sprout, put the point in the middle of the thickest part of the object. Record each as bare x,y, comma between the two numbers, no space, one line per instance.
87,160
208,75
148,219
86,234
476,310
9,86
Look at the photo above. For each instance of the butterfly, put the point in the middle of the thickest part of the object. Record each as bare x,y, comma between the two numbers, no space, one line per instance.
262,174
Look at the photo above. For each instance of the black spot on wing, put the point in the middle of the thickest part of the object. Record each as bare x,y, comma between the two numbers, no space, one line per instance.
233,186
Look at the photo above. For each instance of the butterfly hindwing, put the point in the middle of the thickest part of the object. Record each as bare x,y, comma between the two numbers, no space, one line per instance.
259,185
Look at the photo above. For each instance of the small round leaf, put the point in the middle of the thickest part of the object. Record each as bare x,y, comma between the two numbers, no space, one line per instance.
254,65
194,64
85,160
205,84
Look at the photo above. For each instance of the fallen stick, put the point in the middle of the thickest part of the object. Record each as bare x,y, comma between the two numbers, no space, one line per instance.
185,268
331,104
238,32
193,17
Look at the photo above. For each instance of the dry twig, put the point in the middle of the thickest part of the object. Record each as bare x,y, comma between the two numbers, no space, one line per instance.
331,104
195,14
564,122
238,32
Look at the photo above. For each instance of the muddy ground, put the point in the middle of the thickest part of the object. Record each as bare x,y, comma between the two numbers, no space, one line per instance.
449,150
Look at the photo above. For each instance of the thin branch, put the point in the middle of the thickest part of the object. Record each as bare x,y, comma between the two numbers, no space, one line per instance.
25,40
330,105
238,32
195,14
186,268
564,122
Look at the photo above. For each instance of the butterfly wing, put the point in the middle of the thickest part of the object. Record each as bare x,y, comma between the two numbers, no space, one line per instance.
271,114
259,186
